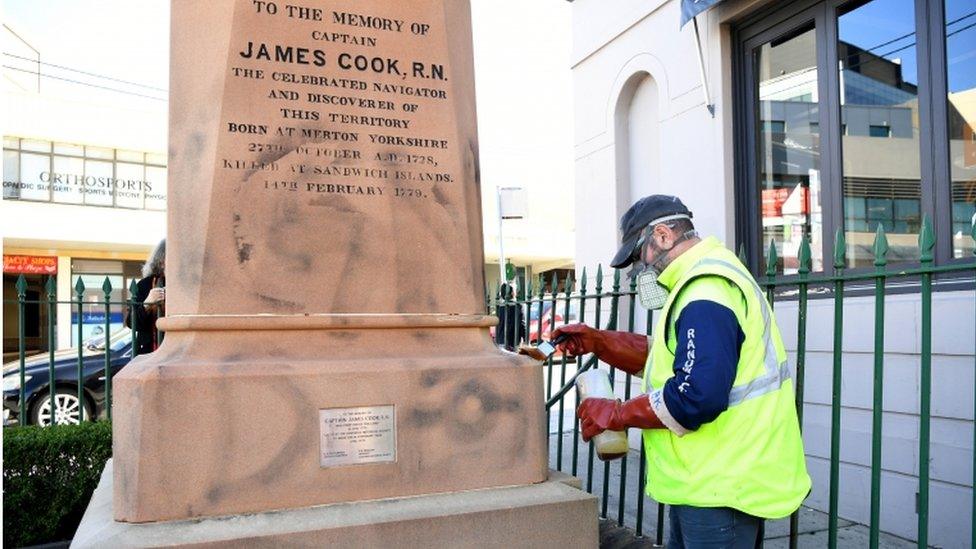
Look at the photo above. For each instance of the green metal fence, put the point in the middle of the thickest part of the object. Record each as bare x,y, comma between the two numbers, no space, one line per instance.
549,296
91,395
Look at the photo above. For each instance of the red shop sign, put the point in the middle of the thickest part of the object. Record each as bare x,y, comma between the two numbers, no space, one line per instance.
30,264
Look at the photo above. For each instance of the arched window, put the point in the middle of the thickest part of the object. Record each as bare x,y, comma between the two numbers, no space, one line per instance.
637,141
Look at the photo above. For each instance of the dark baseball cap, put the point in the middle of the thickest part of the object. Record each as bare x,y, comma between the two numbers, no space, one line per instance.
644,212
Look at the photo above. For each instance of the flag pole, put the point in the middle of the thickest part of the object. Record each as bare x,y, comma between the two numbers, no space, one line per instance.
701,67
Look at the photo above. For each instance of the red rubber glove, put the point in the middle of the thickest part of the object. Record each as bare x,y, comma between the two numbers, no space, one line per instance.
622,350
603,414
578,339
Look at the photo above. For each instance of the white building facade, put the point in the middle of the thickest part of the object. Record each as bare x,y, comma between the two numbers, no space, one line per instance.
84,197
828,116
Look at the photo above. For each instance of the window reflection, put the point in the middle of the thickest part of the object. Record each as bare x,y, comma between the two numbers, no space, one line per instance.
961,73
789,147
879,111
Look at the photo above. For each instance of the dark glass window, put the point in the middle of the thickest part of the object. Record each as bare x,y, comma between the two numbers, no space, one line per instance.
960,30
878,90
879,131
789,148
848,122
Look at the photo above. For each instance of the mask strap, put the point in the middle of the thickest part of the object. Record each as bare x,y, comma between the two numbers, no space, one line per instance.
641,241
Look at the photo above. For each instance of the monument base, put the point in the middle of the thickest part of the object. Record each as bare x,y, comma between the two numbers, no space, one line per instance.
231,415
549,514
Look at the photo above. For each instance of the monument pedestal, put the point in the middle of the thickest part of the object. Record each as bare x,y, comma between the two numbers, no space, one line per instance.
548,514
245,414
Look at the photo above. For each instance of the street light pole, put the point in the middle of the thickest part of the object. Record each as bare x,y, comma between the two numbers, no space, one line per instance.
501,240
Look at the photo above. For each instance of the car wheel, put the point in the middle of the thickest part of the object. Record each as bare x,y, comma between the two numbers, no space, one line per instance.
67,410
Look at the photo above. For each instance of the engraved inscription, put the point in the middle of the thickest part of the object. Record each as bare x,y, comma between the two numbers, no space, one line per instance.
346,114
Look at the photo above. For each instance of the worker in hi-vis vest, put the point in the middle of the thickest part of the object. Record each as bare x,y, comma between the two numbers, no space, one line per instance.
717,412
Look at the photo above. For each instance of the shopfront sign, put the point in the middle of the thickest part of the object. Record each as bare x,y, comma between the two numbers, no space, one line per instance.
73,174
30,264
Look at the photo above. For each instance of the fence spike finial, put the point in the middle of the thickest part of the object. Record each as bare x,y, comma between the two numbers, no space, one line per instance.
772,258
805,257
616,280
599,278
21,285
528,288
840,249
582,281
568,285
107,286
742,253
926,240
542,286
80,286
554,283
51,287
880,247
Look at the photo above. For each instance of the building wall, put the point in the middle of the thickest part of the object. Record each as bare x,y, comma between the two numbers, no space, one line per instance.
684,156
615,51
65,227
141,127
951,457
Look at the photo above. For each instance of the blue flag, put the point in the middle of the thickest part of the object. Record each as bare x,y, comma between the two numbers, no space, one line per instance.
691,8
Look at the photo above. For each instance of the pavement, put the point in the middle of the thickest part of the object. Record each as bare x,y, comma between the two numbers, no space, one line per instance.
812,523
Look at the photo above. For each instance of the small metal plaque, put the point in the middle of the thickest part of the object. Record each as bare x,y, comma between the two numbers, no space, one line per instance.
352,436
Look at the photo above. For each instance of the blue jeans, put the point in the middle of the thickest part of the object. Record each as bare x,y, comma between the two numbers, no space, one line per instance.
713,528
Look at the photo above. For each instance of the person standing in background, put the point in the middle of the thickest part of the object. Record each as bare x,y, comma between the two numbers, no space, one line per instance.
511,322
150,301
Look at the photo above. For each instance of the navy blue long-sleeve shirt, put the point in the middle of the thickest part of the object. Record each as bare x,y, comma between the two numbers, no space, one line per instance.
708,339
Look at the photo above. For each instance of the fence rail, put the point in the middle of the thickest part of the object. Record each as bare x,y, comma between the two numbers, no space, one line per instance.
573,297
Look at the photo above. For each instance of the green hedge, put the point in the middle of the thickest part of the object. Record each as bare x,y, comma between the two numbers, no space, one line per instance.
49,474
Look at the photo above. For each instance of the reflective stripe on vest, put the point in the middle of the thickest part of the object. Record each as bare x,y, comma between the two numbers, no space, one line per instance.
776,372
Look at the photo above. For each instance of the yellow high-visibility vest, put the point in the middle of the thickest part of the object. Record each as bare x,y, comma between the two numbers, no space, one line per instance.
750,457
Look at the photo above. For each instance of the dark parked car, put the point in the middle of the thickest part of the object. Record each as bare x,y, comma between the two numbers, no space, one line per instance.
66,405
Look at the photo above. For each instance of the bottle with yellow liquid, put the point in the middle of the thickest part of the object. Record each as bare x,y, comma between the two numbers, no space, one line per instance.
596,384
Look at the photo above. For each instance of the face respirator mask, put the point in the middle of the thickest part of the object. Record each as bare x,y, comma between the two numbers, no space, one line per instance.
651,294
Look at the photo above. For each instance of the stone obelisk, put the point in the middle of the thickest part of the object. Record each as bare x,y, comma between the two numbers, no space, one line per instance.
326,338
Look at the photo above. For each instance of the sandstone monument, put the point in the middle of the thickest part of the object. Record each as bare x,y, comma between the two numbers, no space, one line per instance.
326,338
